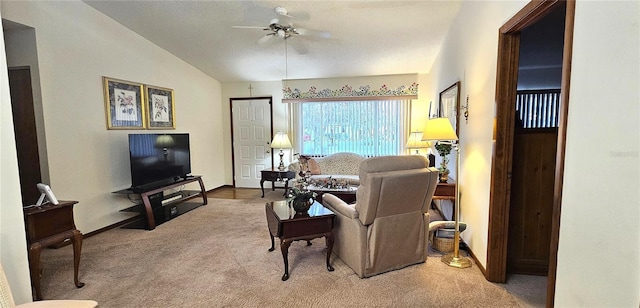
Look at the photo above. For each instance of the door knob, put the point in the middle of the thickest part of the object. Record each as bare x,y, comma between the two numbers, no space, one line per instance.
268,151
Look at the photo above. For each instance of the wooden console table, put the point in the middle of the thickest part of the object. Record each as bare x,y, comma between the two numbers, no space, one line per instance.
47,225
286,224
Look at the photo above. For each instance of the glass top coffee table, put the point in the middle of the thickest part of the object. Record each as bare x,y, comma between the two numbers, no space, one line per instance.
347,194
289,226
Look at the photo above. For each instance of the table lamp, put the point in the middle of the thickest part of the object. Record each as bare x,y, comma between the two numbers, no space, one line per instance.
441,130
415,142
281,141
165,142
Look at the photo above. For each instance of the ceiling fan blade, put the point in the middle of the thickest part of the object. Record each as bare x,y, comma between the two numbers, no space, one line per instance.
321,34
247,27
265,39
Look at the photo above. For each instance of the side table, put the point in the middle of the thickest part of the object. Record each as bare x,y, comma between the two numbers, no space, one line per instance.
445,191
290,226
273,175
47,225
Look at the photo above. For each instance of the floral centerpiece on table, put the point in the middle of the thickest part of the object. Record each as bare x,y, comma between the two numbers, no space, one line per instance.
300,199
444,149
330,183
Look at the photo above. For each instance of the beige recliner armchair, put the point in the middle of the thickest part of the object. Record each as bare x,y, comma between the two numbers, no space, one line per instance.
386,229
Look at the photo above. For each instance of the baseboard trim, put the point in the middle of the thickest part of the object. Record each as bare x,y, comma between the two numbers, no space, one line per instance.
475,260
112,226
220,187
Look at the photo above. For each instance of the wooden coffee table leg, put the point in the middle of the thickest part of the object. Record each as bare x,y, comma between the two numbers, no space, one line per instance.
329,238
284,246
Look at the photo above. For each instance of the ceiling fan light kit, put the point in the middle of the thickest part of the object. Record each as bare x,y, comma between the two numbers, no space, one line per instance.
282,30
281,11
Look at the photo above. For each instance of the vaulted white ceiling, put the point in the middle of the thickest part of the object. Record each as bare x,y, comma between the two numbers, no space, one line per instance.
367,37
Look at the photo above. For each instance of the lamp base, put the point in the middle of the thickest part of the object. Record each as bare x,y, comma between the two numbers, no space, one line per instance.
453,261
281,166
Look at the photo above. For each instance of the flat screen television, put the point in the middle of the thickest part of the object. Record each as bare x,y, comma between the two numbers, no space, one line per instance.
157,159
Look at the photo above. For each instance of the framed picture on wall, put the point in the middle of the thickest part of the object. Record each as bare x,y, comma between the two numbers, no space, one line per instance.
433,110
449,105
124,104
160,107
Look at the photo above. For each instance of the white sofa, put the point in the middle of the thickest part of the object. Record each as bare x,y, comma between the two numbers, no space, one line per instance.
343,167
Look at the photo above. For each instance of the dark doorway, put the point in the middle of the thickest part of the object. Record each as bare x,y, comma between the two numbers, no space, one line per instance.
502,173
25,133
535,141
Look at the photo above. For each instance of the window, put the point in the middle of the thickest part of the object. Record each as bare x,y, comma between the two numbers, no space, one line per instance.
368,128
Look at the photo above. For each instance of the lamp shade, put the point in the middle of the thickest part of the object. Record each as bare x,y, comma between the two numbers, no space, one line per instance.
164,141
415,141
438,129
281,141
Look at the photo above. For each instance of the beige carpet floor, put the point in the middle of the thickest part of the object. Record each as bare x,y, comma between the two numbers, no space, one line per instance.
216,256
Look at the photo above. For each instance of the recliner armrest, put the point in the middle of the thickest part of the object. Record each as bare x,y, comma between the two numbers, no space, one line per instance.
335,203
60,303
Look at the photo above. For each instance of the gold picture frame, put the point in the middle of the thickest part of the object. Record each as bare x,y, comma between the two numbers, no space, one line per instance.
124,105
160,107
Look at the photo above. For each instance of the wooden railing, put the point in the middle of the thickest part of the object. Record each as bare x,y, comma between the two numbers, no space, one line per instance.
538,108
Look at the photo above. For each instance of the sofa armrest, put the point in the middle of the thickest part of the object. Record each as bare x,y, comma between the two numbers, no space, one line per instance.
336,204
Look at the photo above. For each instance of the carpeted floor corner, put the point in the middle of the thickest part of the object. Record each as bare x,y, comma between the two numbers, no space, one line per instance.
217,256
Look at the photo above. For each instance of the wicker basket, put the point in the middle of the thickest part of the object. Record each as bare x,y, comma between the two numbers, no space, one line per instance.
443,244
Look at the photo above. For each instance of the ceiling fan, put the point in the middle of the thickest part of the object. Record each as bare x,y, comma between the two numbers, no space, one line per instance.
284,30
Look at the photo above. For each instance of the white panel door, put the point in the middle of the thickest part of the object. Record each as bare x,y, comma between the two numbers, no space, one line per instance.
251,140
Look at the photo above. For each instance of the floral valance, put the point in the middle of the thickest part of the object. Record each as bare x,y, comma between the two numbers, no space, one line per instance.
348,92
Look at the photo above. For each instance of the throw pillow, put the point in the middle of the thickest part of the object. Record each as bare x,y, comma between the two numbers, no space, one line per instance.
314,167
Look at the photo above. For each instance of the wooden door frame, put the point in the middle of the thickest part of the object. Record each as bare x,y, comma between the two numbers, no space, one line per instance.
506,86
26,132
233,159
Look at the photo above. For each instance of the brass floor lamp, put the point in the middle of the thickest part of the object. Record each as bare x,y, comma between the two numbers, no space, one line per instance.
441,130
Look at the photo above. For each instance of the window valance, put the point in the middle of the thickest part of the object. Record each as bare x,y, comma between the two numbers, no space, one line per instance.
363,88
348,93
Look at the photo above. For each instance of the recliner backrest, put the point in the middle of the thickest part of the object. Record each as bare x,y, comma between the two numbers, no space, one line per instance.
390,185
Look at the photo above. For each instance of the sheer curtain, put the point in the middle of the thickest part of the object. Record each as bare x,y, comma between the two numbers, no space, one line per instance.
366,127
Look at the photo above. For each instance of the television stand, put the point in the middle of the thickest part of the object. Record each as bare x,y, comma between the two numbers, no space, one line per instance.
147,209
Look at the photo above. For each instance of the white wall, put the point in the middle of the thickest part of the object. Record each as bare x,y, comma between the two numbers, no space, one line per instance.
469,55
76,46
598,258
13,243
599,252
